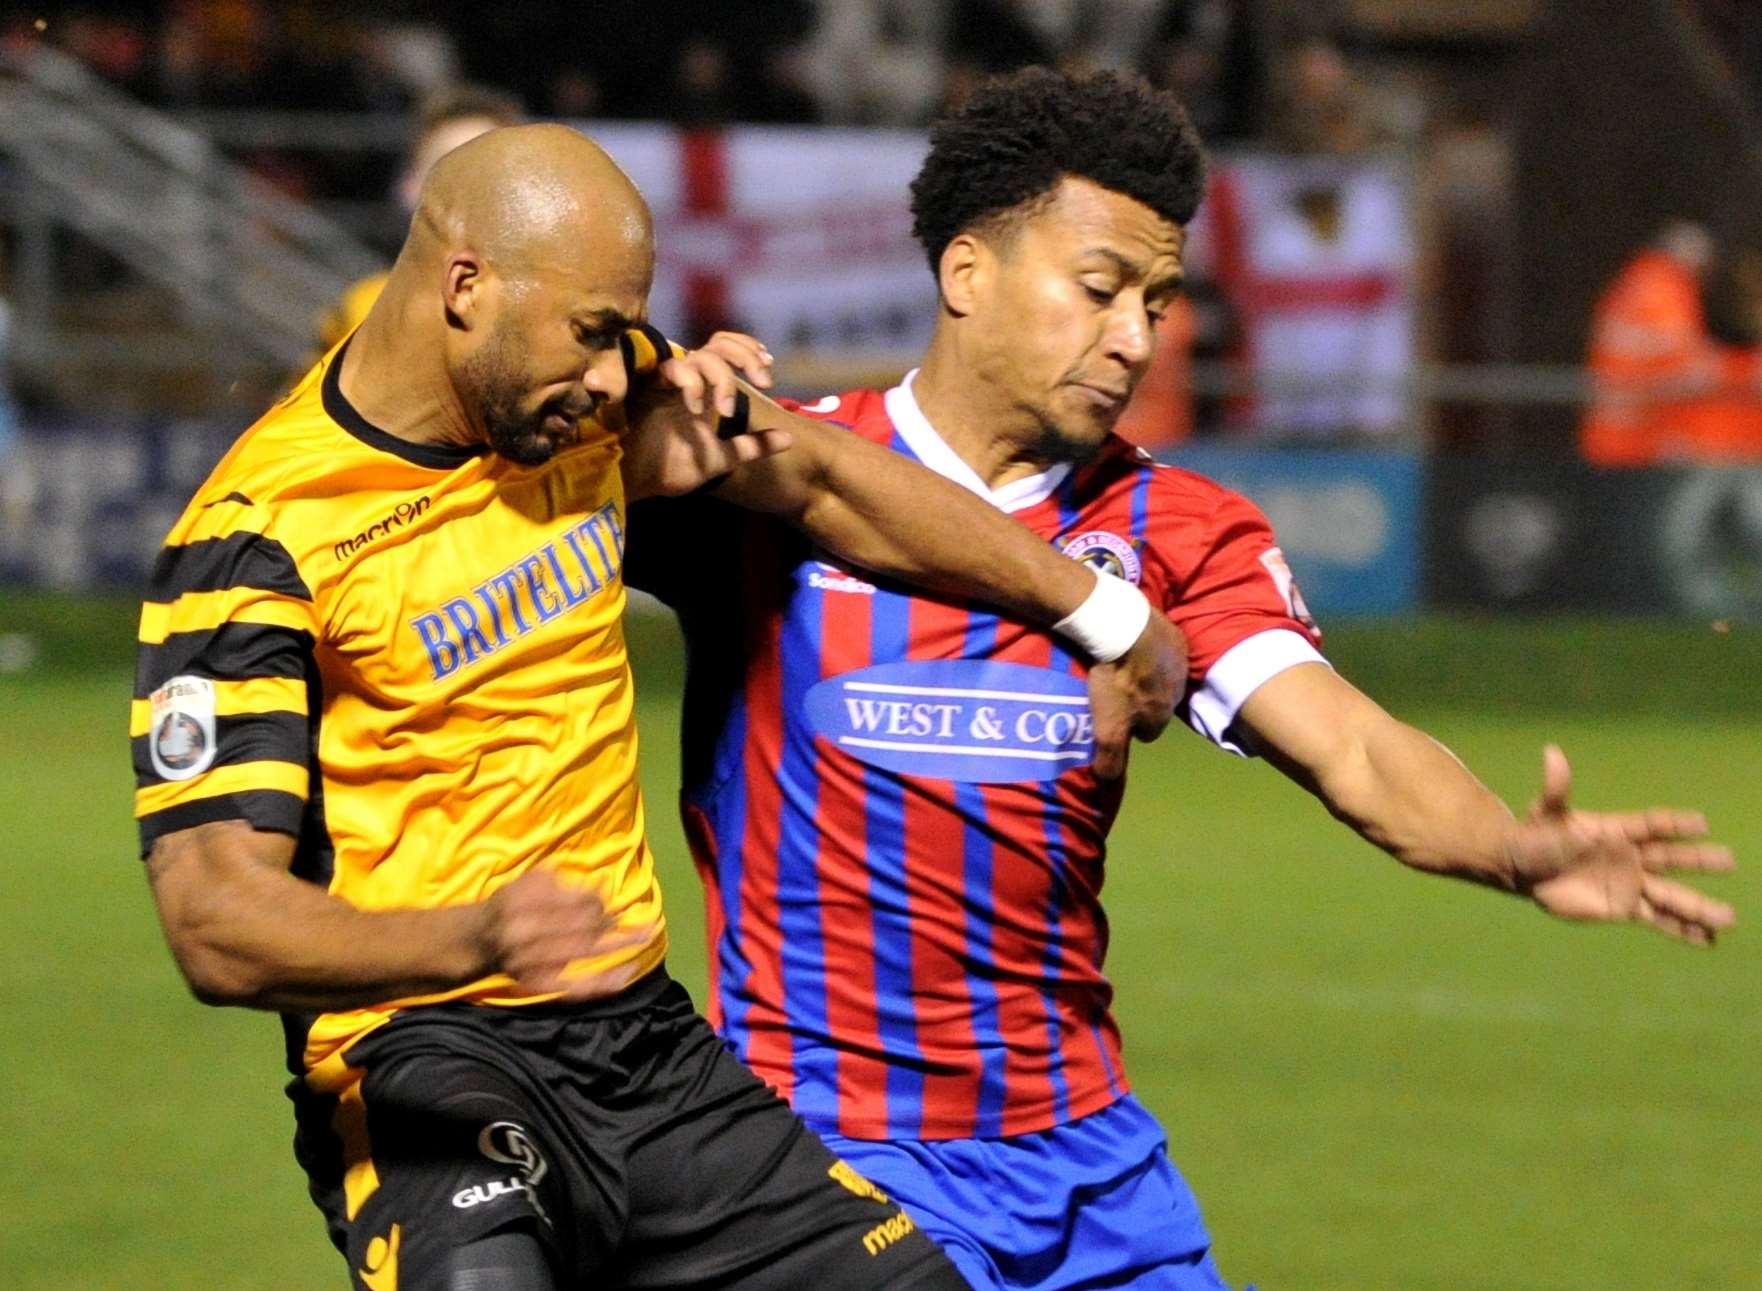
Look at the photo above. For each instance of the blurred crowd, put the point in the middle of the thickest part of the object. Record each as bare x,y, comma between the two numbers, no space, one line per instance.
860,62
1675,349
707,63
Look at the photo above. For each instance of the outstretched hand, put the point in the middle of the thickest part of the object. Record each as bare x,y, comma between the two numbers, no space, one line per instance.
1609,866
671,444
1136,694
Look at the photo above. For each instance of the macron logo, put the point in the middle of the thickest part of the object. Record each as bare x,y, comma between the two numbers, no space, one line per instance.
400,515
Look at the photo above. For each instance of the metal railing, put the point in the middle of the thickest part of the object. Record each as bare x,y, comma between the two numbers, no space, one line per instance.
251,268
248,266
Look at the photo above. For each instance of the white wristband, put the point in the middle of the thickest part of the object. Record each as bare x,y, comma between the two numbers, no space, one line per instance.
1109,622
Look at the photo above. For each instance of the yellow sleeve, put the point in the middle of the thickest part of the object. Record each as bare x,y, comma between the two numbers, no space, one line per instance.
220,725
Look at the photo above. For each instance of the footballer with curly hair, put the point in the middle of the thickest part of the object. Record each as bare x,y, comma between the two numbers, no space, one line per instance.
892,795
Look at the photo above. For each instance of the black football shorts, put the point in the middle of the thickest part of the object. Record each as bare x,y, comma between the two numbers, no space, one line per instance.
620,1132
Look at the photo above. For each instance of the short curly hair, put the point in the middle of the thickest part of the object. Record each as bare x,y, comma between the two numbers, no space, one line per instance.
1003,154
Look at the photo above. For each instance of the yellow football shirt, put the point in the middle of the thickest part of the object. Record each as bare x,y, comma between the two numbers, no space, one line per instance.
410,657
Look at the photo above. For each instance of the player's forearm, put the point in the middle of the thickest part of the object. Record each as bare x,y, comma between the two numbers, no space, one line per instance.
1409,795
876,509
1398,787
246,932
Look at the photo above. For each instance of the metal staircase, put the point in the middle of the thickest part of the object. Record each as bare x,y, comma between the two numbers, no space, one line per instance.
249,267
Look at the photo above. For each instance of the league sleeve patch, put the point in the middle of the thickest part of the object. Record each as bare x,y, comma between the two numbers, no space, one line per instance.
1274,561
181,738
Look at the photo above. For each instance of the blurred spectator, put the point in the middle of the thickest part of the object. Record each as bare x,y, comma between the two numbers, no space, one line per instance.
573,94
702,89
881,62
8,410
1203,54
1321,107
878,61
1676,355
447,119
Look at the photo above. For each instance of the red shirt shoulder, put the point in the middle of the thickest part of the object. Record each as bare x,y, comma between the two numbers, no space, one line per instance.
864,411
1224,578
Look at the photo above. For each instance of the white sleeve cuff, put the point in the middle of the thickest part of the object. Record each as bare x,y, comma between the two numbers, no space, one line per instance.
1244,668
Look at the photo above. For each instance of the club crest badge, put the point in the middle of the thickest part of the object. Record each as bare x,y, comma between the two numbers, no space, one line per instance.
181,738
1106,553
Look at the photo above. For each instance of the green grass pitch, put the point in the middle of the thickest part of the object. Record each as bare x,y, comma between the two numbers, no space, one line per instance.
1373,1079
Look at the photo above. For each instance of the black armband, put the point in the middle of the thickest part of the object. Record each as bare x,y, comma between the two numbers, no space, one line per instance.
644,350
736,424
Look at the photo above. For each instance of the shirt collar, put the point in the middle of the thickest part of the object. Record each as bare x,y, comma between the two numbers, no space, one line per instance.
933,451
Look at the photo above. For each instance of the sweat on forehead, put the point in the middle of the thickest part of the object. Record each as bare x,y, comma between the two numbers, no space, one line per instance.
533,193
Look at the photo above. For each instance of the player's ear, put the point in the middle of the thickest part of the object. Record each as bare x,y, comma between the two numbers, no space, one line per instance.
463,287
962,273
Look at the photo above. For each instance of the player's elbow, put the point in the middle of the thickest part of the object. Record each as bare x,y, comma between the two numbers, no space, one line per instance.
219,981
215,974
203,920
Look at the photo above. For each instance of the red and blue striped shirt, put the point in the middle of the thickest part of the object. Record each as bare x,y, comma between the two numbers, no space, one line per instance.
889,799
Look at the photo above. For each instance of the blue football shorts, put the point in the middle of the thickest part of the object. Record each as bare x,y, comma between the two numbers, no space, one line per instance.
1095,1203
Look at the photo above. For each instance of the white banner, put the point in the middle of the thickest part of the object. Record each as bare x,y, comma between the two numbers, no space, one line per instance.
1316,258
804,236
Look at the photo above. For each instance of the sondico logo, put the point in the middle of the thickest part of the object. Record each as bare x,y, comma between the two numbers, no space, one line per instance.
506,1142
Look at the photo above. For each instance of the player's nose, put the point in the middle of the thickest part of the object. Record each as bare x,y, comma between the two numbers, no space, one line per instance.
606,377
1130,337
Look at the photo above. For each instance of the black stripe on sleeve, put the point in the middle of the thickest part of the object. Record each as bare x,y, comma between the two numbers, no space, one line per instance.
214,564
241,737
231,652
267,809
315,856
